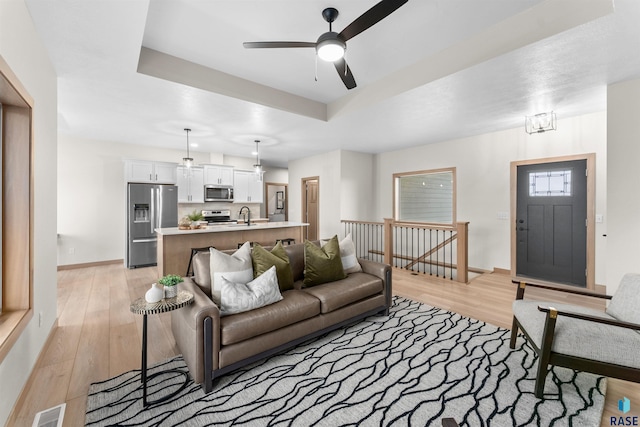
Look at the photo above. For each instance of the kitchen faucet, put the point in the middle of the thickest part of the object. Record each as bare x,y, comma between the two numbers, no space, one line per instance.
248,215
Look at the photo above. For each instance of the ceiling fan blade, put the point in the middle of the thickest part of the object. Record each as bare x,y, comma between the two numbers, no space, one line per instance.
371,17
260,45
345,73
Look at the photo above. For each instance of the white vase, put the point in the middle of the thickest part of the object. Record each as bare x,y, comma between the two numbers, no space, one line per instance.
155,294
171,291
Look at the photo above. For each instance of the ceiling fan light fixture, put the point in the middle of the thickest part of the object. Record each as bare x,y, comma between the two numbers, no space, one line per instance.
330,48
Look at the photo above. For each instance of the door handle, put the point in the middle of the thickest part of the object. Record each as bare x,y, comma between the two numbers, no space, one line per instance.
522,229
144,240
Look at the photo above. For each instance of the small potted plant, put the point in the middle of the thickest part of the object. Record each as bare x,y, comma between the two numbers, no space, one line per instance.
195,217
170,283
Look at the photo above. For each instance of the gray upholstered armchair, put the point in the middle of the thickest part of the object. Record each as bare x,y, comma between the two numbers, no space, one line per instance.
601,342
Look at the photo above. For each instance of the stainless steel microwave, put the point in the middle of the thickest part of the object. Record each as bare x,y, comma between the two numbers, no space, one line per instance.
217,193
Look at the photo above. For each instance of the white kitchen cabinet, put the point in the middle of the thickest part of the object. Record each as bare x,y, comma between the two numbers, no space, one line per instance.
218,175
190,184
145,171
246,187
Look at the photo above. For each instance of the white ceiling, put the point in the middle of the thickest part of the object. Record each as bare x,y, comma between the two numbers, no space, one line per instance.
139,71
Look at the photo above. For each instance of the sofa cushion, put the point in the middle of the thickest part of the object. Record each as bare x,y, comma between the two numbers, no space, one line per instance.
625,302
201,271
322,265
343,292
295,306
295,253
240,297
348,256
581,338
263,260
236,268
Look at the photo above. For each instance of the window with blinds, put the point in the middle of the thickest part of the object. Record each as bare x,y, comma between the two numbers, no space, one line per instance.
426,196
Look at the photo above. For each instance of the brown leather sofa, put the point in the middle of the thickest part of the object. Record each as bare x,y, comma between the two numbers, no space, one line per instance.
212,345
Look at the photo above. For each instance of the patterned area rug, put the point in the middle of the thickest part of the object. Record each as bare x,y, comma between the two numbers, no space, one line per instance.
414,367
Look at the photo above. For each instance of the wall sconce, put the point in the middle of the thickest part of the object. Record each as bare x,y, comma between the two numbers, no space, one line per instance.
540,122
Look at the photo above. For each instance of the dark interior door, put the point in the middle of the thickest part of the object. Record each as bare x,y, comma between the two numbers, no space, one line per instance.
551,223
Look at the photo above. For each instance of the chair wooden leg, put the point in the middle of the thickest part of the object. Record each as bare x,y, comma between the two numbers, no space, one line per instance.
514,333
541,377
545,351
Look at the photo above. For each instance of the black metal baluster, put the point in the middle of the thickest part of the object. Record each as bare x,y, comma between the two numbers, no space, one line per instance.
377,241
451,250
437,255
430,255
395,246
444,255
368,240
361,236
406,245
424,248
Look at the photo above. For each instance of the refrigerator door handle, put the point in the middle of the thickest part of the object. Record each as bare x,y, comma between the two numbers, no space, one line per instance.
159,205
153,204
153,239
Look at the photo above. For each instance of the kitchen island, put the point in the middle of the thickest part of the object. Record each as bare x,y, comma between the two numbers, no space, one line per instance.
174,245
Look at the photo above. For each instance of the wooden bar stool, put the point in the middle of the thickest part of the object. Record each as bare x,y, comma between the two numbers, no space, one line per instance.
193,252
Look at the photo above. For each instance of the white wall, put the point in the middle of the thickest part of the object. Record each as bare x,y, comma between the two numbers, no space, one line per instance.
277,175
92,196
482,171
357,193
23,51
623,181
327,167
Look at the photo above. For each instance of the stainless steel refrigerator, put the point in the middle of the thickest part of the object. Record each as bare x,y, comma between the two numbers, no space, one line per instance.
149,206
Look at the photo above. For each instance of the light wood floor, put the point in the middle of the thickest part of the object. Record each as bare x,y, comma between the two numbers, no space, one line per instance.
98,337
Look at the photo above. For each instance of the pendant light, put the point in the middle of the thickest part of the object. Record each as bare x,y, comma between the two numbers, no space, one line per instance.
187,161
258,166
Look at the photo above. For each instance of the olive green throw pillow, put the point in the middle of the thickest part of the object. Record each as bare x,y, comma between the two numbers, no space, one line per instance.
263,260
322,265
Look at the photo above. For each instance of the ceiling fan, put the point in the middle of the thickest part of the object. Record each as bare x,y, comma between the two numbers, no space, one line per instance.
331,46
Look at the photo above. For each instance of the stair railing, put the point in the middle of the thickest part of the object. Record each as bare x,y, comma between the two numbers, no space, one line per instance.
438,250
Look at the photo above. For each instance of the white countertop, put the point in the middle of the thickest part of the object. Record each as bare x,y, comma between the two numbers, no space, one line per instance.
172,231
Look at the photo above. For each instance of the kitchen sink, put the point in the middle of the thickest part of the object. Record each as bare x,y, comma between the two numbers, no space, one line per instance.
242,225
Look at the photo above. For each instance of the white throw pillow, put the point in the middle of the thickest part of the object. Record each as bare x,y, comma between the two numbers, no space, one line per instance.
236,268
348,256
240,297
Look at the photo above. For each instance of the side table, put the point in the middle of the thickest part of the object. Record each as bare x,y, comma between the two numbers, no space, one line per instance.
141,306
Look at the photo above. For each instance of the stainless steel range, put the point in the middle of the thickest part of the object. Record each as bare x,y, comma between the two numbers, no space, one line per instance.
218,217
